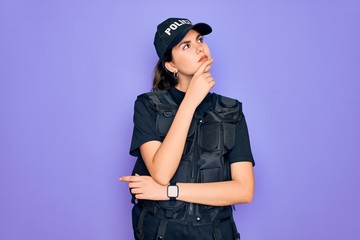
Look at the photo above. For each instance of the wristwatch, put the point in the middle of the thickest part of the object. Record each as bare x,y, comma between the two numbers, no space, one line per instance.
173,192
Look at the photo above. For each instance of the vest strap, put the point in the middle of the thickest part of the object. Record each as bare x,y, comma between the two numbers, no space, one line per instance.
217,232
236,233
166,98
155,99
162,98
169,213
162,229
140,227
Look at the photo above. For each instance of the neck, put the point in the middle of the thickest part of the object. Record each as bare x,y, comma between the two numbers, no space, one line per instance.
183,83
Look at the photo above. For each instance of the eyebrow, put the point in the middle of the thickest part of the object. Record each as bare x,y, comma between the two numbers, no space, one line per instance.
181,43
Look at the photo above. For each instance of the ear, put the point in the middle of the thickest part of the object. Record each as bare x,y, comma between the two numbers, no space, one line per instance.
170,67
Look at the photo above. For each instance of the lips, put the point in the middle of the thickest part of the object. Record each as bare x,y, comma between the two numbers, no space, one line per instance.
203,58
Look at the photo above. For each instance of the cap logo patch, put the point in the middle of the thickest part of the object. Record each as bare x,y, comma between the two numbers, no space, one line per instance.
175,25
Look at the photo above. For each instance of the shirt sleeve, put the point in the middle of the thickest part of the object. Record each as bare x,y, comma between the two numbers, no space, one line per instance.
242,149
144,125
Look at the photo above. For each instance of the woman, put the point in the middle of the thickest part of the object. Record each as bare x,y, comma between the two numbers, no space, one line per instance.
194,157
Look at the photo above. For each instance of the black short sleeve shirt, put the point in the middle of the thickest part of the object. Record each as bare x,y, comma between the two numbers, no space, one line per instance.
145,127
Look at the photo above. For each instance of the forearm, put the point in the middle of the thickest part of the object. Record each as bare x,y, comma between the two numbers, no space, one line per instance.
167,157
216,193
238,190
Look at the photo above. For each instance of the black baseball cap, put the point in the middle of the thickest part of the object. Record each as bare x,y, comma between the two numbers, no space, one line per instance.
171,31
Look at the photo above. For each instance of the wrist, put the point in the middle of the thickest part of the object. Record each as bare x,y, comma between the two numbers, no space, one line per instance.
164,193
189,104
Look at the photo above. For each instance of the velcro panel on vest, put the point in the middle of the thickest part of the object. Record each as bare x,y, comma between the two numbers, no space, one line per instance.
209,137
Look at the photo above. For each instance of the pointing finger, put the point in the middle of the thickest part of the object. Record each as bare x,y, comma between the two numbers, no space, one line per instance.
130,179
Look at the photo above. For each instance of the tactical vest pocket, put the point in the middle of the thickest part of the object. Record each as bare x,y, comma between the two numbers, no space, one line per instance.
229,135
210,175
209,138
211,166
164,120
182,174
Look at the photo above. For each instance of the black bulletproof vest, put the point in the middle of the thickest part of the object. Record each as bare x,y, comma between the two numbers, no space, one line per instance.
211,136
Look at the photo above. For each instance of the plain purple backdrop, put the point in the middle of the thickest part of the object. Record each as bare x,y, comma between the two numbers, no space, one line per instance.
71,70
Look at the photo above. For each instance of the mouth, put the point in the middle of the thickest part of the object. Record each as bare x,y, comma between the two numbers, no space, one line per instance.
203,58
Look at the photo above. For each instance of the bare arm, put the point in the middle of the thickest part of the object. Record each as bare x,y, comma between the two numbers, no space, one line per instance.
162,158
238,190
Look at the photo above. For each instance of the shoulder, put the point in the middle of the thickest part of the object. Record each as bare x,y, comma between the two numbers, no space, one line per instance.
151,95
156,100
142,102
227,102
143,96
227,107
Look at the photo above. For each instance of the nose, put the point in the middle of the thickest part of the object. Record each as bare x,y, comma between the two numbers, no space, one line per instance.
200,48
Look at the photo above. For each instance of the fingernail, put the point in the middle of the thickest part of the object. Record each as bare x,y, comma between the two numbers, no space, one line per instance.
120,179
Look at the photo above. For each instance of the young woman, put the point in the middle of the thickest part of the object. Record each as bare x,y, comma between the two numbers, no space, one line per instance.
194,157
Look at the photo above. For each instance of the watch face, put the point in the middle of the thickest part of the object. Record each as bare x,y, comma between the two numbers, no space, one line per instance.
173,191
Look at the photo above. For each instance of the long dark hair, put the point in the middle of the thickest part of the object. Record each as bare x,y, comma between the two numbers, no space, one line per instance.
163,79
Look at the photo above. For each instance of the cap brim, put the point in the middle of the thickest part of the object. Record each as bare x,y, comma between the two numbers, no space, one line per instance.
201,28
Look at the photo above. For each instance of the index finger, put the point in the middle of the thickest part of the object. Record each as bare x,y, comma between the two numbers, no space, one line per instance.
129,179
203,67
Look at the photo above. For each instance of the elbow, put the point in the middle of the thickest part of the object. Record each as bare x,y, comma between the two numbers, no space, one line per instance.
244,199
161,179
246,194
248,199
160,176
163,182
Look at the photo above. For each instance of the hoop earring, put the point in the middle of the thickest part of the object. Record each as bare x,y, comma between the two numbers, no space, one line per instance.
176,75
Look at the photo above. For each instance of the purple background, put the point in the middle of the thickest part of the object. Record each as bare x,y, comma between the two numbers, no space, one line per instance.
71,70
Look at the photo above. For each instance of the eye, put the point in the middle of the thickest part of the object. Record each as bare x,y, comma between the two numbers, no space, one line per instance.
200,39
186,46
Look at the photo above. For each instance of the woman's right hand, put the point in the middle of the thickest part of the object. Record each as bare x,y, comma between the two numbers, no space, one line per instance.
200,84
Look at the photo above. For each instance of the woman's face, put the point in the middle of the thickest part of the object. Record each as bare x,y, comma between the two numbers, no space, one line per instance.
189,54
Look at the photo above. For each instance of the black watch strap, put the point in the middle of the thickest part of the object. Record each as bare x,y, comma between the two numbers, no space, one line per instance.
173,198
